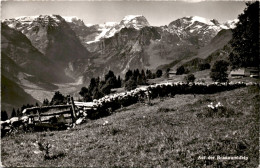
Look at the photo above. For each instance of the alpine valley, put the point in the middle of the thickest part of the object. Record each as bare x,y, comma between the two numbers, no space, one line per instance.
45,53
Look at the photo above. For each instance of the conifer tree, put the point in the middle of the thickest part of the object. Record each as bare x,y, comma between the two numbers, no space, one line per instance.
149,74
119,82
4,115
92,85
13,114
245,41
128,75
18,113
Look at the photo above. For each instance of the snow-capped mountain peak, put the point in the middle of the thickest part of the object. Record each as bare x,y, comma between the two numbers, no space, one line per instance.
200,19
26,18
231,24
198,27
109,29
130,17
89,24
135,21
74,20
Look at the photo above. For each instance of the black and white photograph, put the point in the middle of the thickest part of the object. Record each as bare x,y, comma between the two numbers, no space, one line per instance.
143,83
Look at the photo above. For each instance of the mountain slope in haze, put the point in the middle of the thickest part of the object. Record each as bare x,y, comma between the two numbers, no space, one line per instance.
23,67
13,96
32,72
18,47
52,36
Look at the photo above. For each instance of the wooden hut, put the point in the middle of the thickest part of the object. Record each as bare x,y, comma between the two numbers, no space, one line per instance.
238,73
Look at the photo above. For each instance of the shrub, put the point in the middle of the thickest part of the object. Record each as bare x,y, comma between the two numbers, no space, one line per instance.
190,78
204,66
130,84
180,70
158,73
45,148
114,131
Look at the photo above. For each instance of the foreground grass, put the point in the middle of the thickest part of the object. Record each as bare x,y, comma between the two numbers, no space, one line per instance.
169,133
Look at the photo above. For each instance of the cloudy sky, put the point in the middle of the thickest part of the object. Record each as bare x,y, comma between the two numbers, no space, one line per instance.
157,12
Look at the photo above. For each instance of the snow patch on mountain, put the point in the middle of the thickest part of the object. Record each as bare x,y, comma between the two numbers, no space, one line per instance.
200,19
110,24
231,24
109,29
27,18
130,17
106,30
70,18
89,24
196,24
134,21
26,22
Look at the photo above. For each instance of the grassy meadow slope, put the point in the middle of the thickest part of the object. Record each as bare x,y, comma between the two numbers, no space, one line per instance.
173,132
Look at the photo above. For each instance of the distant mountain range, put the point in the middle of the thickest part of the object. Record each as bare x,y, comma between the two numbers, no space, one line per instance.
46,50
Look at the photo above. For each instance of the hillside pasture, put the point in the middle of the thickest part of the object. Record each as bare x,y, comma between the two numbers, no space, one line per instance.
172,132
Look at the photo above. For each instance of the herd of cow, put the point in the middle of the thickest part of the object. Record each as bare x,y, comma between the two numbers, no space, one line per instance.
108,104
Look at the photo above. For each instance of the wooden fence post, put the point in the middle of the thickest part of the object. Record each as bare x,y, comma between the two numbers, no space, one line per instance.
149,98
39,116
73,108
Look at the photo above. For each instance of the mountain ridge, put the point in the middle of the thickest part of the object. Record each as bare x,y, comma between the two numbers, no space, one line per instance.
80,52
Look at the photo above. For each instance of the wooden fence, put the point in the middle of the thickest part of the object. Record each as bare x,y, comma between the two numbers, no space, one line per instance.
45,113
66,113
86,105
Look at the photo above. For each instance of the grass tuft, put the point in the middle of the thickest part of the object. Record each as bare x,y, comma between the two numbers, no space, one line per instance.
165,110
114,131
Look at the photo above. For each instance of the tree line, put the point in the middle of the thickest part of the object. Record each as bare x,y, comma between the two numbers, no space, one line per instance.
99,88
